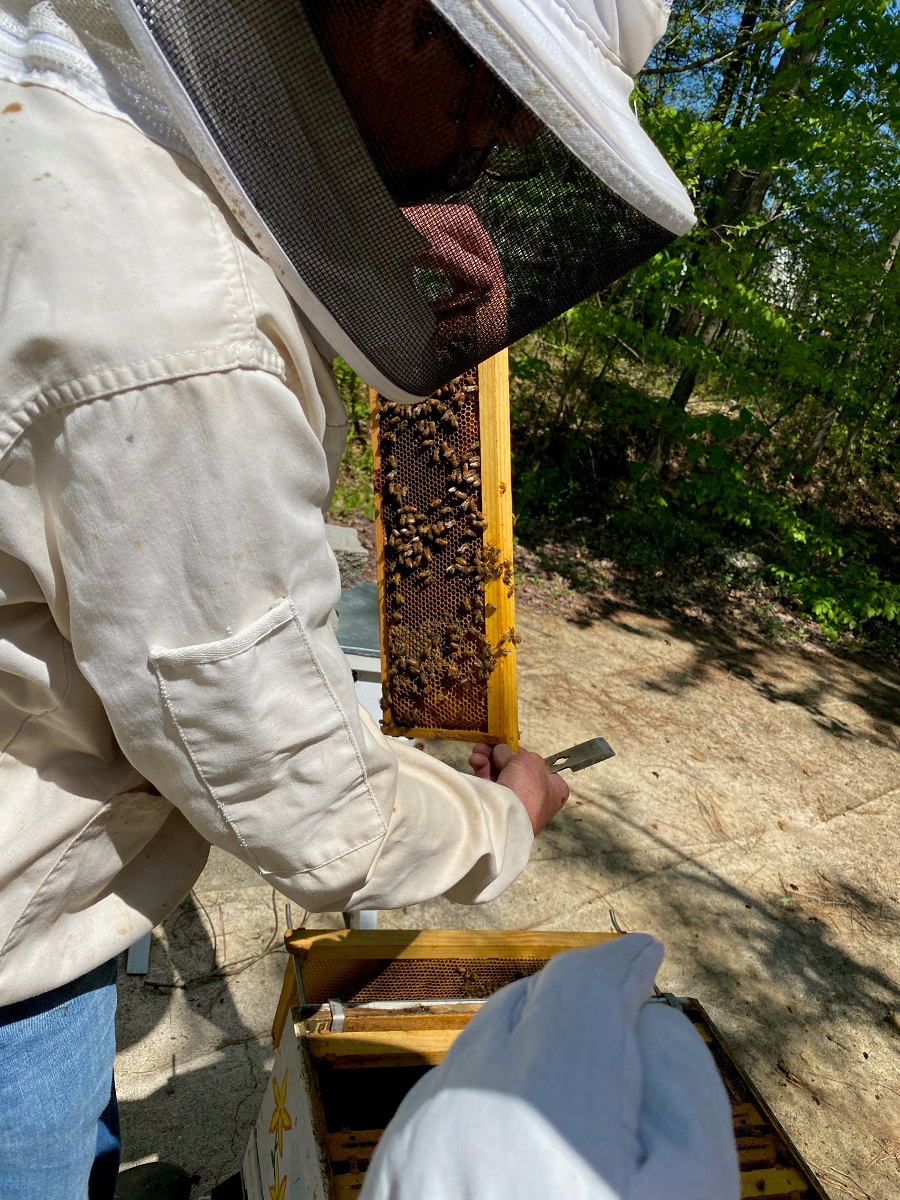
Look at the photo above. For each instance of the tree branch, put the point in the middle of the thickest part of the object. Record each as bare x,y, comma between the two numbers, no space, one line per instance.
721,55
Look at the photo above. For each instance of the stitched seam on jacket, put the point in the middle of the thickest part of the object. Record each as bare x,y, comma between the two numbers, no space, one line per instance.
343,716
103,385
220,806
4,750
57,866
233,249
271,622
164,692
227,271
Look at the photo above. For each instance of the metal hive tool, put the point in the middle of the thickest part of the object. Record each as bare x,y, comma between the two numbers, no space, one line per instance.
443,517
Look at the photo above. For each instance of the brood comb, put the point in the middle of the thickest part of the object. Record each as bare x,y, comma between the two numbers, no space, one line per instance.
443,520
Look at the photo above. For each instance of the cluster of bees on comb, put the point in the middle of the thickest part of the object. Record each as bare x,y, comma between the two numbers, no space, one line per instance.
436,562
476,985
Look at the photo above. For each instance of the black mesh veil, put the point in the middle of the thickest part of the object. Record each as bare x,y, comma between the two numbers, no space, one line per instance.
414,264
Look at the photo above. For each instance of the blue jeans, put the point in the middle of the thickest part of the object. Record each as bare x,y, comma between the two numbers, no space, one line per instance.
59,1123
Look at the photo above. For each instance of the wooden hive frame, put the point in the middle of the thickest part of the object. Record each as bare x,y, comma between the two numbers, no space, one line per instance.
497,535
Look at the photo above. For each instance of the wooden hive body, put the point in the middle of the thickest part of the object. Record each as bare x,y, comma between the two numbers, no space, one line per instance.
443,521
350,1046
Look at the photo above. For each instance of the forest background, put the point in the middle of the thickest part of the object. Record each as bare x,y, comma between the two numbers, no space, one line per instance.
718,433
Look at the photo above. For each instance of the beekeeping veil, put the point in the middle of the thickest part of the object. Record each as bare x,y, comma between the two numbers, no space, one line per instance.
468,172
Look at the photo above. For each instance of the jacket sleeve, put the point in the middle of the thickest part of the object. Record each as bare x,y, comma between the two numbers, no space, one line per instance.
195,582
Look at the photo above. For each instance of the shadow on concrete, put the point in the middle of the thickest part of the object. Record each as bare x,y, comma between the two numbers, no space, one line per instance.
790,935
770,669
217,1063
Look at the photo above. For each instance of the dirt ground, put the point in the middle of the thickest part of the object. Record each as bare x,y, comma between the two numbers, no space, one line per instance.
749,820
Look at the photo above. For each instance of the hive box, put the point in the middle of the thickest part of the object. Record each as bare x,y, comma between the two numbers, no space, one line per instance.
364,1014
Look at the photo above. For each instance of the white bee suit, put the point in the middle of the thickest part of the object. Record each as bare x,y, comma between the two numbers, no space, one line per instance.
169,436
569,1085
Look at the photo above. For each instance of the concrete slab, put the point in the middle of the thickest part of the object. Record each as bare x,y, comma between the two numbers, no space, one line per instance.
194,1034
749,820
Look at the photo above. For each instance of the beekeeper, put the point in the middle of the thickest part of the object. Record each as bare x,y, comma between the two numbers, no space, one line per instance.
202,203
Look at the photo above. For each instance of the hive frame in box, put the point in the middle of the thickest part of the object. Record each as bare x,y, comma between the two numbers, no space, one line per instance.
496,507
292,1153
363,1042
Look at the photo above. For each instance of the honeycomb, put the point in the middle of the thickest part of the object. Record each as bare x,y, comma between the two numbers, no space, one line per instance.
436,563
366,980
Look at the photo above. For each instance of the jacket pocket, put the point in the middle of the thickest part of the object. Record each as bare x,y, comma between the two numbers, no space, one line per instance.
275,750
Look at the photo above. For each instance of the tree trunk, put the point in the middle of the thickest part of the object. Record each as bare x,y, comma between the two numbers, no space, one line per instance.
732,73
745,188
817,445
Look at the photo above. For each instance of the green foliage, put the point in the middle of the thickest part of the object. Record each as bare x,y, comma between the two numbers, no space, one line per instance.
354,494
740,390
584,442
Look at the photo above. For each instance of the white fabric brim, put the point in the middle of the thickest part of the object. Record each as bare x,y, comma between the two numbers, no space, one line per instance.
580,91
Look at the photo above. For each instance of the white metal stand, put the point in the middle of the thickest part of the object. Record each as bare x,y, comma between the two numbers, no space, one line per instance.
137,961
